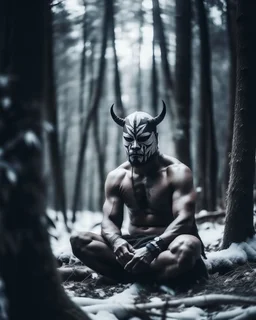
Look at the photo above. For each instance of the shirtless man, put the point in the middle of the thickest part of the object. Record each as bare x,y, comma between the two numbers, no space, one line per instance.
163,244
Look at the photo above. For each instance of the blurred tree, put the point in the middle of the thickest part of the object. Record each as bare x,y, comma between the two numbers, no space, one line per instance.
140,42
82,70
154,77
117,81
28,266
183,80
207,152
99,151
239,216
92,110
160,36
57,165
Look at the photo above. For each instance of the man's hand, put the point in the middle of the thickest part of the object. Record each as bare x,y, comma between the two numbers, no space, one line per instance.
123,250
140,261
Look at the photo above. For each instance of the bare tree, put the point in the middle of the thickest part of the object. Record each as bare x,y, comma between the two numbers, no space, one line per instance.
52,116
160,36
183,80
140,41
154,77
239,215
117,80
82,70
92,110
207,151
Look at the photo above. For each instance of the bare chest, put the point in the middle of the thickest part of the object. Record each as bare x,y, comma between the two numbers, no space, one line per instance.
147,194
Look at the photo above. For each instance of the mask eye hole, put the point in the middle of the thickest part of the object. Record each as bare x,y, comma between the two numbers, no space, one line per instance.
142,139
128,139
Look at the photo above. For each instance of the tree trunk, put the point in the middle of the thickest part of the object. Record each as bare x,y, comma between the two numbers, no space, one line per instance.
183,80
92,110
239,215
117,84
28,269
231,29
139,77
207,152
54,141
157,20
100,159
82,71
154,77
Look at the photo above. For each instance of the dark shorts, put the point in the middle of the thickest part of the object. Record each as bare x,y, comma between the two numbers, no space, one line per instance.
138,241
196,274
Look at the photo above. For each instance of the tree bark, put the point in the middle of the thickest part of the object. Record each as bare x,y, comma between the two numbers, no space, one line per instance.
231,29
100,159
239,216
154,77
28,267
158,23
207,152
183,80
117,82
139,77
92,110
82,71
51,112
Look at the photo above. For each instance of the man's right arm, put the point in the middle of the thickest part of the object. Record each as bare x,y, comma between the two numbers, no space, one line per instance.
113,218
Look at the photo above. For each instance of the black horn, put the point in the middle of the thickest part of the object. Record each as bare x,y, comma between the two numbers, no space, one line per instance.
160,117
117,119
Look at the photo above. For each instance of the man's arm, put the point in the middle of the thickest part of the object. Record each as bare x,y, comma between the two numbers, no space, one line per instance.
183,205
113,218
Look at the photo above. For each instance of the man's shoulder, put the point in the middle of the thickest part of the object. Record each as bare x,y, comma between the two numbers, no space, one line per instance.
176,169
116,175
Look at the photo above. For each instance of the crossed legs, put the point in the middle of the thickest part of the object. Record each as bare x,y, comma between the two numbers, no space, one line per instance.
180,257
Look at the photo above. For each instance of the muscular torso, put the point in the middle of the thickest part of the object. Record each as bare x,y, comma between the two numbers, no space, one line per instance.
148,198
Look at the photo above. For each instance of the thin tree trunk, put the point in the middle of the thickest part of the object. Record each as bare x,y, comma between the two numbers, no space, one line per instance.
239,215
157,20
100,158
65,134
183,80
54,142
207,152
93,108
82,71
28,267
139,79
231,29
154,77
117,82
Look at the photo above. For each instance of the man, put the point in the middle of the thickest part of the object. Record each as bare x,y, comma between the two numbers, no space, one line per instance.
163,244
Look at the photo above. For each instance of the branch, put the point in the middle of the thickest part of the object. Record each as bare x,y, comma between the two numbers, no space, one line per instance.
209,215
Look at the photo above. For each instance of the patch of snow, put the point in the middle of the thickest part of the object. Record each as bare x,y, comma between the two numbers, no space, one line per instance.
237,253
127,296
192,313
85,221
210,232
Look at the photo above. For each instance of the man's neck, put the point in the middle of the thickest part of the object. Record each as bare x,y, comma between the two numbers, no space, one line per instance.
150,167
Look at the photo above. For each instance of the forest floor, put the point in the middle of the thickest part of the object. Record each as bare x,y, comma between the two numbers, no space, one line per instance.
240,281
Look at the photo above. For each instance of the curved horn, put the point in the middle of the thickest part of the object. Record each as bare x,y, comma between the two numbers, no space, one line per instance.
117,119
161,116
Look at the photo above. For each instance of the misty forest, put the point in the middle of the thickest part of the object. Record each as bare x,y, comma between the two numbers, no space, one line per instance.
63,64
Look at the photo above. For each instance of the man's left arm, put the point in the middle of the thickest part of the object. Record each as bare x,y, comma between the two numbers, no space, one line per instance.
183,205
